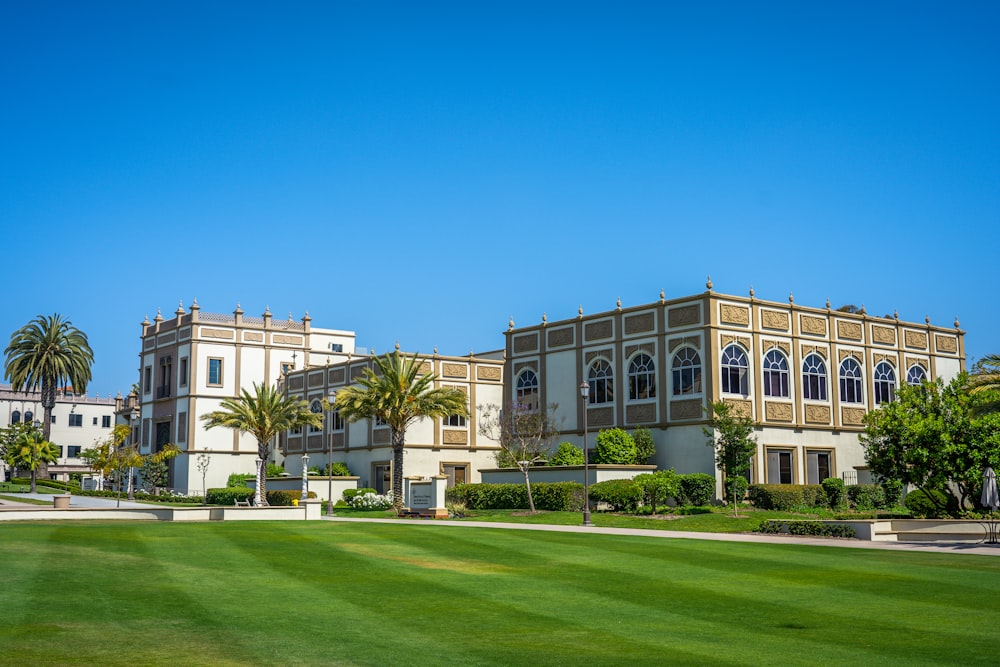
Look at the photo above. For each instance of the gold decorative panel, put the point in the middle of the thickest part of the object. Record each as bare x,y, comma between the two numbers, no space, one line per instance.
607,354
166,339
848,330
780,344
915,339
645,347
294,444
636,414
295,382
856,354
253,337
600,416
315,443
777,412
337,376
884,335
425,367
598,330
337,440
814,326
740,408
285,339
315,379
455,437
149,344
774,319
184,334
853,416
946,344
518,367
742,340
818,414
560,337
380,436
526,343
689,409
454,370
878,358
734,314
489,373
684,316
356,372
814,349
216,333
639,323
693,341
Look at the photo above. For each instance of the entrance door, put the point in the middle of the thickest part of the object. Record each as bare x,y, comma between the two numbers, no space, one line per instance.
457,473
382,478
163,438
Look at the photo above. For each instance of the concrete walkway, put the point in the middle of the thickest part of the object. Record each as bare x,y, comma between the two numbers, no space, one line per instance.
74,501
936,547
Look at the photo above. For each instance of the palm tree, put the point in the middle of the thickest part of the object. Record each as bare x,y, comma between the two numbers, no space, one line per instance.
32,452
399,394
263,414
44,354
986,377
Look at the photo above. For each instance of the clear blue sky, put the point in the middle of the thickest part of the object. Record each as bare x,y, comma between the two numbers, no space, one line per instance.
421,172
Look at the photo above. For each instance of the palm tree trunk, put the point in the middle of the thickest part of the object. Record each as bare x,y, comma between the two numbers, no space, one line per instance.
398,440
261,499
48,402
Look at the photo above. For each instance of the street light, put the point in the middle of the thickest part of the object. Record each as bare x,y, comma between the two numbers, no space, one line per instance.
135,446
585,394
331,396
305,477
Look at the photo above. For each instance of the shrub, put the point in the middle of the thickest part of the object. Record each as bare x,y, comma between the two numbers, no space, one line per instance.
866,497
623,495
893,490
350,493
237,480
229,495
568,454
737,485
658,487
816,528
786,496
338,469
549,496
284,498
645,447
371,501
836,492
931,503
273,470
697,488
614,446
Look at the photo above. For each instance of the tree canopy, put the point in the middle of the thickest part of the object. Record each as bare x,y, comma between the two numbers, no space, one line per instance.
730,434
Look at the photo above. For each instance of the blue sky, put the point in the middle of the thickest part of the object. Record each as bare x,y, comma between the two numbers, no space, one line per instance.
421,172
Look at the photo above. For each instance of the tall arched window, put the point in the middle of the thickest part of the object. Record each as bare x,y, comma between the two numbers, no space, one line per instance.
687,372
29,417
526,389
15,417
602,382
885,383
641,378
775,374
814,378
915,375
734,371
850,381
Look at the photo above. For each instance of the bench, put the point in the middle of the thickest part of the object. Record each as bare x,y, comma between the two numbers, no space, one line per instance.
242,503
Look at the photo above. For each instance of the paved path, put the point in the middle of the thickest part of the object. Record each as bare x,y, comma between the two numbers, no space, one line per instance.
74,501
937,547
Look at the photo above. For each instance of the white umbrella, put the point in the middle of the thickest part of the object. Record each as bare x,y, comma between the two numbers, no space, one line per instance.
990,498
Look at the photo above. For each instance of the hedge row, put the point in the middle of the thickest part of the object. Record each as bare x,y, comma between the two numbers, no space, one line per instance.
141,495
786,496
551,496
816,528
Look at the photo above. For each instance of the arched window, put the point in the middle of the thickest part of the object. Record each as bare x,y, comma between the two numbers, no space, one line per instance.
850,381
29,417
814,378
885,383
526,391
915,375
734,371
602,382
775,374
15,417
687,372
641,378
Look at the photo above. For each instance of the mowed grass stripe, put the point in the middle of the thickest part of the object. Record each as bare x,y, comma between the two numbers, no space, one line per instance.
324,593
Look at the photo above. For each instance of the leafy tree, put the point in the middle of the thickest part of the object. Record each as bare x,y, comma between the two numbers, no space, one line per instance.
986,379
614,446
29,451
44,354
645,446
398,393
568,454
154,469
730,434
657,487
934,435
10,434
263,414
523,433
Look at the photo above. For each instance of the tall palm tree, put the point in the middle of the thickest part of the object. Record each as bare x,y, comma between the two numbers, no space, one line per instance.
44,354
32,452
398,394
986,377
263,414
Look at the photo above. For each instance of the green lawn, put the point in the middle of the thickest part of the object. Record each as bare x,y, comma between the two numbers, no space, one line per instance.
256,593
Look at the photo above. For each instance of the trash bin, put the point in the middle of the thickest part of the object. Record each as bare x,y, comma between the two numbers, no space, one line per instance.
61,502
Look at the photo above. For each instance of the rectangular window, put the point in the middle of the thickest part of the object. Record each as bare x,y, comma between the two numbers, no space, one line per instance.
287,367
106,421
215,372
95,421
336,421
779,467
457,473
52,419
336,347
147,379
380,422
454,420
818,467
75,420
182,378
73,451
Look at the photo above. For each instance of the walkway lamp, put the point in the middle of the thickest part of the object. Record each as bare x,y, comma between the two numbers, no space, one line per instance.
584,395
330,398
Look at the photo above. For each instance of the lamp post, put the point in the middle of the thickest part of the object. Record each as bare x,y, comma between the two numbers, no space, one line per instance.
135,445
330,398
584,395
305,477
203,469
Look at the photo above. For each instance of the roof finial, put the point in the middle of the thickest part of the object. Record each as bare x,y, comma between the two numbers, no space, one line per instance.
545,319
927,319
791,298
957,325
864,311
663,296
159,317
828,303
751,291
895,314
708,283
180,308
579,311
435,350
397,346
618,303
510,324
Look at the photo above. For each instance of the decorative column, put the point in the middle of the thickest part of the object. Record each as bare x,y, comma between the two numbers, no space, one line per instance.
305,477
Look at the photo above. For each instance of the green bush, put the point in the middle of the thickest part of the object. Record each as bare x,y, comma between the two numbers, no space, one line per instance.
836,492
623,495
817,528
931,504
350,493
697,489
645,446
658,487
229,495
893,490
237,480
614,446
273,470
738,485
866,497
549,496
568,454
786,496
338,469
284,498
